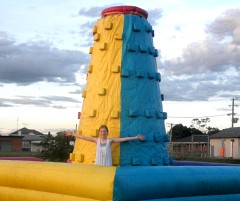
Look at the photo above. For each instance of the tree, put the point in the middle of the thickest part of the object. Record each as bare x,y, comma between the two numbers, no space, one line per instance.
200,124
56,148
179,131
211,130
195,131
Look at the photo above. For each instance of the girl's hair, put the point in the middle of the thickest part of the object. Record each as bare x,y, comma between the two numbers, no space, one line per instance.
103,126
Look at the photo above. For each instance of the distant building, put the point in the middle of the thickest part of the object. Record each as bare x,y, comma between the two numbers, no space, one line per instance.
11,143
31,139
226,143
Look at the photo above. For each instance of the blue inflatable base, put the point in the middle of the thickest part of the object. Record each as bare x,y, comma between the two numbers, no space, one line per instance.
177,183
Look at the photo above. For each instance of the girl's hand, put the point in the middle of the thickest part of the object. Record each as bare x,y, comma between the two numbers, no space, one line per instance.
140,137
68,133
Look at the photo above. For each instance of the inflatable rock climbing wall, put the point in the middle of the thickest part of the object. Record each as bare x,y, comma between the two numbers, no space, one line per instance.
123,91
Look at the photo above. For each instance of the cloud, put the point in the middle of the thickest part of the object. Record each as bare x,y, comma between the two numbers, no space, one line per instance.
60,98
154,15
2,104
93,12
216,53
91,15
86,33
76,92
226,26
42,101
202,57
200,87
58,107
207,68
27,63
10,102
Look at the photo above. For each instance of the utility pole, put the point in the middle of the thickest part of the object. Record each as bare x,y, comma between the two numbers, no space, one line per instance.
234,120
170,138
170,133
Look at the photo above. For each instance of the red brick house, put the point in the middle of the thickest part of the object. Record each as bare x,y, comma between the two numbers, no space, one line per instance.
31,139
23,139
11,143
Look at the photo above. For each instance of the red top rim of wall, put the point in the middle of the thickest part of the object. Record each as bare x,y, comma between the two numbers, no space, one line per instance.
125,10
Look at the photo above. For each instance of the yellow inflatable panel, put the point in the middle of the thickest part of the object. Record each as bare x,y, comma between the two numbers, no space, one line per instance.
55,180
101,103
15,194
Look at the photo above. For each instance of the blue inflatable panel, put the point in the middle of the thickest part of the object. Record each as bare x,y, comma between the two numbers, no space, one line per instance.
141,105
149,183
232,197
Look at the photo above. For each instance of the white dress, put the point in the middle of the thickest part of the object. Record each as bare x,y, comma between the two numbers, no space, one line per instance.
103,153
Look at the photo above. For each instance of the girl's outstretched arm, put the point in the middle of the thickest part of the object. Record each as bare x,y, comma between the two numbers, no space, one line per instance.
90,139
125,139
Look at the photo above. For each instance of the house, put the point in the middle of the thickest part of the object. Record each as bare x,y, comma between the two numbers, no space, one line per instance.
194,145
11,143
31,139
226,143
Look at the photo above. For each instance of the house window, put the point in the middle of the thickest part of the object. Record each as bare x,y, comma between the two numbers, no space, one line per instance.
26,144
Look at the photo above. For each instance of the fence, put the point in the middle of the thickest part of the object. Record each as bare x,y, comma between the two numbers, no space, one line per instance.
185,150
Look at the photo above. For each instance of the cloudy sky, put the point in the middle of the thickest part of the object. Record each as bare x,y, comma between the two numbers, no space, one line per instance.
44,53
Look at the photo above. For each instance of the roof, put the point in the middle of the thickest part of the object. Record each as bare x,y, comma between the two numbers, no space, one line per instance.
194,138
228,133
33,138
26,131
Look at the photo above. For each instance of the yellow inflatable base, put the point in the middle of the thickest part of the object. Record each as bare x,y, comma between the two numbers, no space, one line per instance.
45,181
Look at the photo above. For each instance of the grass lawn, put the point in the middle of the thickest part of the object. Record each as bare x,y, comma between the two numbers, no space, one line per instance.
209,159
20,154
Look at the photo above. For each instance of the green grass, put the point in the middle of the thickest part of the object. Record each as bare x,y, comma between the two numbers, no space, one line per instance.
180,158
20,154
209,159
